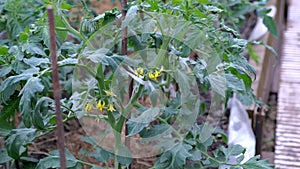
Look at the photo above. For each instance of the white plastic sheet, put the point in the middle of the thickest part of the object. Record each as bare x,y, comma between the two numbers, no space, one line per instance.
240,130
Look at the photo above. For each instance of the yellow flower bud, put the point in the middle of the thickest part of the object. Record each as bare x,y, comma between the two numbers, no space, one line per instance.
110,93
111,108
101,105
88,107
139,71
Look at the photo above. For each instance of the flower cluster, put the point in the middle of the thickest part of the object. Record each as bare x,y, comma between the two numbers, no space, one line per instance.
101,105
153,74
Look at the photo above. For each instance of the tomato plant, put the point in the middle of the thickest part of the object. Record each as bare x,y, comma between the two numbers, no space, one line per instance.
149,95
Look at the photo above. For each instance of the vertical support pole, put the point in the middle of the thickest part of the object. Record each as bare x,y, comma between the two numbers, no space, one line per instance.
259,123
56,90
124,33
124,52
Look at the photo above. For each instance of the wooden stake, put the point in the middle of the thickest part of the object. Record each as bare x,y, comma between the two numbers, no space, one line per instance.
56,91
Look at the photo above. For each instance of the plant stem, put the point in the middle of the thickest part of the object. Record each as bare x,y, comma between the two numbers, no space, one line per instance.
87,163
117,142
175,131
162,51
74,31
100,78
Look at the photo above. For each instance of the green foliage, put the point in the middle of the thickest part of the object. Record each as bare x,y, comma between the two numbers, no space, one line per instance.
16,143
53,160
162,37
136,125
175,157
254,162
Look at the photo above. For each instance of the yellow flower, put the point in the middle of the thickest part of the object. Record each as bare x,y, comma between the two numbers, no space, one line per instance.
139,71
100,105
161,69
88,107
111,108
110,93
154,75
155,28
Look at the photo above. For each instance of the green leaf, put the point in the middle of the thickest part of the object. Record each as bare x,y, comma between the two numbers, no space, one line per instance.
29,91
23,36
42,106
16,143
157,131
196,155
101,155
4,156
232,150
218,83
3,50
67,62
5,127
135,125
4,70
203,1
38,121
9,109
183,81
212,8
96,167
33,48
99,56
154,95
234,83
270,24
273,51
66,6
10,84
124,155
6,94
176,2
252,53
61,33
7,83
44,33
268,47
254,162
34,61
15,51
153,4
53,161
174,157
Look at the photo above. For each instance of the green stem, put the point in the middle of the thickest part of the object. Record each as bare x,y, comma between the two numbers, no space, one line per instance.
134,98
72,30
87,163
162,51
50,129
48,69
96,116
87,68
217,161
100,78
117,140
174,131
61,29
